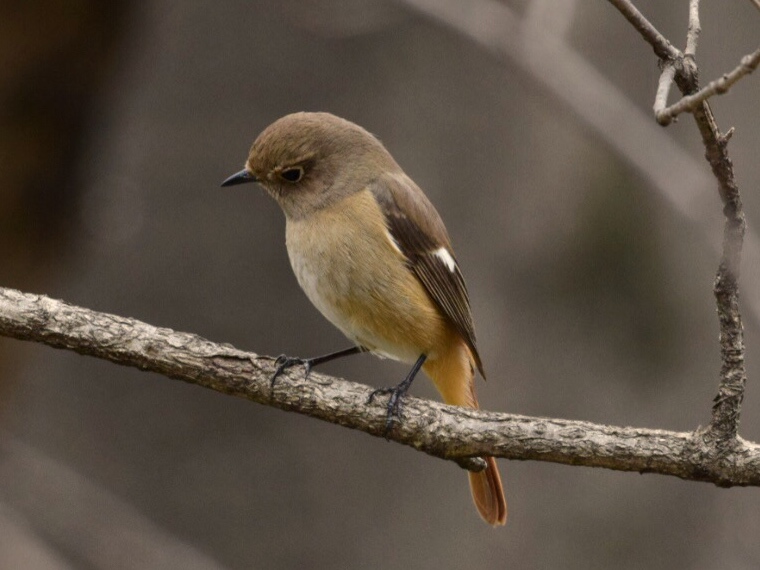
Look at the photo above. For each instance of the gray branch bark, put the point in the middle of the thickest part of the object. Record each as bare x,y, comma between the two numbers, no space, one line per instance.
448,432
682,64
721,436
688,103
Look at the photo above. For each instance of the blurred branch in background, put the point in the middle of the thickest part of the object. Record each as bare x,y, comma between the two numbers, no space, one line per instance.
78,522
596,101
21,546
442,431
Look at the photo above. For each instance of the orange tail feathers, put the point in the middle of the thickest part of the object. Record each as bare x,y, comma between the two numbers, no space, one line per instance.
453,374
488,494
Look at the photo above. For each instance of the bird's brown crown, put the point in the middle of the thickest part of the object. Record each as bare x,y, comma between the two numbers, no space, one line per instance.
316,153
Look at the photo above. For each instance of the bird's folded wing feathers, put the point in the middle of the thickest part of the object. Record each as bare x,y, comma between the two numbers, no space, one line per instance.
421,236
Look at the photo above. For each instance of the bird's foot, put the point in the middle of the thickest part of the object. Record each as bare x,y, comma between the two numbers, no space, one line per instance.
283,362
395,404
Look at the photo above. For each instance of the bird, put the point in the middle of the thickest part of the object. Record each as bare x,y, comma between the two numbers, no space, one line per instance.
373,256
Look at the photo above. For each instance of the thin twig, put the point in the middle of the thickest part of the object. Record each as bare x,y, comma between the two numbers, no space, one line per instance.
722,433
662,47
692,36
663,88
716,87
443,431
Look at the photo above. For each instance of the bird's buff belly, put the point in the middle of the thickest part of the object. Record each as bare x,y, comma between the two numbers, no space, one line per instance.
364,288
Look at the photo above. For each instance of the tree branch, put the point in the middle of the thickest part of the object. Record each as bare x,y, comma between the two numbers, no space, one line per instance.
692,35
663,88
721,435
718,86
442,431
723,429
733,376
662,47
682,65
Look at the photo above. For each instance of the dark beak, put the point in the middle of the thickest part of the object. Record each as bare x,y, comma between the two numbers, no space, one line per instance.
241,177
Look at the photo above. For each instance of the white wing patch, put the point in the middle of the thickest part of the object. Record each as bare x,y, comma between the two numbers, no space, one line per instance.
393,241
443,254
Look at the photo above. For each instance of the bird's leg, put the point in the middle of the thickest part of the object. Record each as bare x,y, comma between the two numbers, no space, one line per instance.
284,362
396,393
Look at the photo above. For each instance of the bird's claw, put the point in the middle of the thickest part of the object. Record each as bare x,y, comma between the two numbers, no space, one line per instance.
283,362
394,407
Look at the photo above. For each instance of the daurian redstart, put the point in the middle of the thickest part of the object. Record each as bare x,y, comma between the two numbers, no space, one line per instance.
372,254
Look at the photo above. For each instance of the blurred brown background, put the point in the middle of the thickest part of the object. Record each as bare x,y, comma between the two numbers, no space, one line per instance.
592,294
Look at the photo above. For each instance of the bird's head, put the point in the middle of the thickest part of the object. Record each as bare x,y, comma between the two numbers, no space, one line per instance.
307,161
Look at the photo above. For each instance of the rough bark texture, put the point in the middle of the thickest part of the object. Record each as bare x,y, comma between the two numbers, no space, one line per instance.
721,436
442,431
726,411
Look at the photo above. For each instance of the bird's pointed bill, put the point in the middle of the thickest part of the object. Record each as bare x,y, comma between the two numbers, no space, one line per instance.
242,177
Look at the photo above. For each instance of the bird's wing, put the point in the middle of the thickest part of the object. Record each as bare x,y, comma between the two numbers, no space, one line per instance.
418,230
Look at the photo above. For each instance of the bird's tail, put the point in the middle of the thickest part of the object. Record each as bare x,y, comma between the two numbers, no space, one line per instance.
453,374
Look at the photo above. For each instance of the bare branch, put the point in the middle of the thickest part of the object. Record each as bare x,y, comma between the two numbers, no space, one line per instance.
756,3
722,432
716,87
443,431
662,47
692,36
663,88
733,376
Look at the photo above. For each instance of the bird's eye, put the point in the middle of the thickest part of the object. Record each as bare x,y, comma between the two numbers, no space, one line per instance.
292,174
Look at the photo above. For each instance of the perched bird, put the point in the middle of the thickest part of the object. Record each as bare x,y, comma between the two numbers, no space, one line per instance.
372,254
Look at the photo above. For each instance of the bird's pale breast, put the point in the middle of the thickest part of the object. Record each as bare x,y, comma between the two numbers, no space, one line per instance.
348,266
